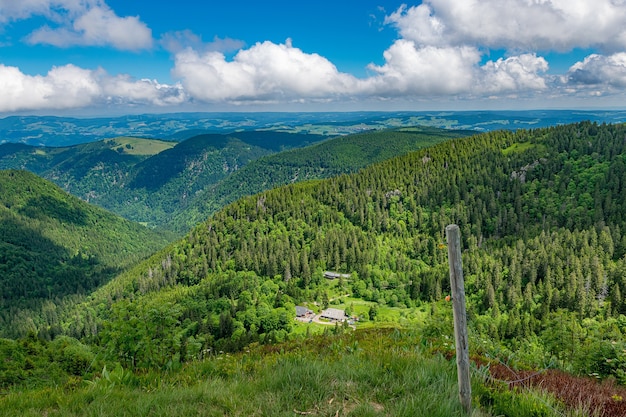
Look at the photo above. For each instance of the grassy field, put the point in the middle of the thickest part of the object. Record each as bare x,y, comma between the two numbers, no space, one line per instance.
375,372
138,146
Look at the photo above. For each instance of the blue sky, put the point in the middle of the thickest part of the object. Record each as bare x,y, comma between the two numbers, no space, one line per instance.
118,56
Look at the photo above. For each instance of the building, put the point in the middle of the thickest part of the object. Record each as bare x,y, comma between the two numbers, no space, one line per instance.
335,275
303,312
333,314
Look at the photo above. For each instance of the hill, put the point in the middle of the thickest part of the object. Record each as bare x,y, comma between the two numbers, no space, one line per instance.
66,131
333,157
54,245
145,180
541,215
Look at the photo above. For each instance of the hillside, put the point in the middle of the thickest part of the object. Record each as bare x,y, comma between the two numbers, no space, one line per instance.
145,180
333,157
376,372
54,245
541,214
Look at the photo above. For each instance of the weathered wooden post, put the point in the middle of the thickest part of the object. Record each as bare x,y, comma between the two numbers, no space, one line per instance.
457,285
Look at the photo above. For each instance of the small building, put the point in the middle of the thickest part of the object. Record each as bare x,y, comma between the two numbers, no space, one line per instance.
303,311
333,314
335,275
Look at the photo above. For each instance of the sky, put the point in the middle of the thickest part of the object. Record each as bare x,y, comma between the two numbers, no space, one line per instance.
106,57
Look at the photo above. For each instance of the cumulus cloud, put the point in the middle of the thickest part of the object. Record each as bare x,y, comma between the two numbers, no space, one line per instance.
430,70
514,74
124,89
280,72
529,25
266,71
73,87
423,71
79,22
599,70
443,51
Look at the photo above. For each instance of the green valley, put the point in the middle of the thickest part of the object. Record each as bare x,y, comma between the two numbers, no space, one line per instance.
146,180
55,246
541,214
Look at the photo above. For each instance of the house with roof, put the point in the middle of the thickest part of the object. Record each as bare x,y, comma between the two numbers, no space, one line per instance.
303,312
334,314
335,275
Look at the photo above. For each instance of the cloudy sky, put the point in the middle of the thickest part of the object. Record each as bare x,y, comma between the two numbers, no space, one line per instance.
120,56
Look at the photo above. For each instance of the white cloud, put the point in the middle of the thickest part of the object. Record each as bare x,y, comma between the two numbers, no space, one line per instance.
125,90
424,71
528,25
266,71
79,22
442,53
597,70
69,86
513,74
62,87
269,72
23,9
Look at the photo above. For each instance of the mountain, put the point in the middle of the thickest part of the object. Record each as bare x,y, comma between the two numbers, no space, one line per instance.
65,131
333,157
541,214
147,180
54,245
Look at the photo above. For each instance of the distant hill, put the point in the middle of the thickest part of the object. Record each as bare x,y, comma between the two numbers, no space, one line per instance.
64,131
53,245
147,180
342,155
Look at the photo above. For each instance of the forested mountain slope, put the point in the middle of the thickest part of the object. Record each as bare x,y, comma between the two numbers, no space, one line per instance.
147,180
53,245
541,213
333,157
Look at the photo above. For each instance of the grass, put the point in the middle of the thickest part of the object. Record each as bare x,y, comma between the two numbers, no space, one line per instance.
374,372
520,147
138,146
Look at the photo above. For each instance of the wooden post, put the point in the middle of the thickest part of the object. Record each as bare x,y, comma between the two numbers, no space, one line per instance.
453,236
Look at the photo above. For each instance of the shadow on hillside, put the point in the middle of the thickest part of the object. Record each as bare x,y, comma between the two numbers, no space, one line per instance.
47,206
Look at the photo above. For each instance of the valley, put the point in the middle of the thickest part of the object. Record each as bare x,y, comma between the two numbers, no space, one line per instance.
541,214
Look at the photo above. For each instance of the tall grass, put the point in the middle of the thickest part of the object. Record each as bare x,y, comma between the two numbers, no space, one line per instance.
381,372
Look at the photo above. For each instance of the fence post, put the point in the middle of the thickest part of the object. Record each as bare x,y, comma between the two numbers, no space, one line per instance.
457,285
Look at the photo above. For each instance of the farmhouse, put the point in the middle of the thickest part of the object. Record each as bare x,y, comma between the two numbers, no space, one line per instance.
335,275
303,312
333,314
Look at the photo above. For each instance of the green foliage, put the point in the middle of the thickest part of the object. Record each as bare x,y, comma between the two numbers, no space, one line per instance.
504,402
327,159
377,373
541,229
544,261
54,245
30,362
146,180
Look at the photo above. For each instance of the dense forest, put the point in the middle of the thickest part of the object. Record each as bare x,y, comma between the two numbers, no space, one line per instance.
146,180
54,245
541,213
174,186
330,158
